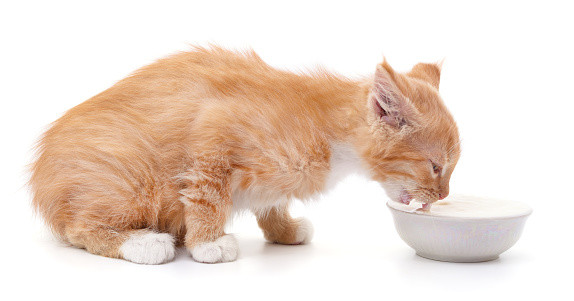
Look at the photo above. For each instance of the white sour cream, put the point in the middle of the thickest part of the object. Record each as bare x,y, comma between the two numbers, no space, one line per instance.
463,206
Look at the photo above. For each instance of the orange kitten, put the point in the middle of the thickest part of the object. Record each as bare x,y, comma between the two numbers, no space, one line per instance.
167,155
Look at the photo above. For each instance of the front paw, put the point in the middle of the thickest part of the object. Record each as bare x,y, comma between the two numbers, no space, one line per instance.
299,232
304,232
224,249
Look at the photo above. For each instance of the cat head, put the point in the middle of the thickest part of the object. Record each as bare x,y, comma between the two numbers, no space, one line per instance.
412,142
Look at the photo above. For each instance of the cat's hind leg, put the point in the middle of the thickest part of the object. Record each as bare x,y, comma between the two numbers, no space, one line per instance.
279,227
142,246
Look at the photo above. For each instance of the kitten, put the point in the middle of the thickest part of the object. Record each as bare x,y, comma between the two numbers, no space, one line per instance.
167,155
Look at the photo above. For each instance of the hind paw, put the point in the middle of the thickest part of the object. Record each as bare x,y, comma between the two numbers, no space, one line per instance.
149,248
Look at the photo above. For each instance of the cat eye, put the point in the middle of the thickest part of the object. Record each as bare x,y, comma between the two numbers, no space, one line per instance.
435,168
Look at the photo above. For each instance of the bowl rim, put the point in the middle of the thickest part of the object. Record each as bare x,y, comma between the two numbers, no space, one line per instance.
466,218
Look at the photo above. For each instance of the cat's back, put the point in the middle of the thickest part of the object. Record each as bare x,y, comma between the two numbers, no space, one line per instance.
160,97
146,117
203,71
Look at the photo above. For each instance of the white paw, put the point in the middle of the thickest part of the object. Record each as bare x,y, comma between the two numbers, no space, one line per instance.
149,248
305,231
224,249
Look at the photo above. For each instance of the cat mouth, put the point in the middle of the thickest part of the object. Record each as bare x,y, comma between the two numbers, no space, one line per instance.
405,197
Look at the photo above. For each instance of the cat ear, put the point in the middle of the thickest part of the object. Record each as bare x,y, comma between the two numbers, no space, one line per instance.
427,72
390,105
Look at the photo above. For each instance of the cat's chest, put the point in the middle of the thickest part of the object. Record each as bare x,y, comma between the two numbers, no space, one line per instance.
343,162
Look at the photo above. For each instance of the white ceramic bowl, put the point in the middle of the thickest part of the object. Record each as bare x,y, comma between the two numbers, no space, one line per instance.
461,228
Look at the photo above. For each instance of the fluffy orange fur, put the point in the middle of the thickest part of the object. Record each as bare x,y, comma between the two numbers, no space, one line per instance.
175,146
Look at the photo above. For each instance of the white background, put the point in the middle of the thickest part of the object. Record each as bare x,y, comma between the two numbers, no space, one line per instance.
507,79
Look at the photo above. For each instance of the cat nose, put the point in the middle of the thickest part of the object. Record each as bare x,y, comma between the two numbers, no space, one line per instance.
443,191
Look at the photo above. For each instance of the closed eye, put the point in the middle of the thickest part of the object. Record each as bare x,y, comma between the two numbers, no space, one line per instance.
436,168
